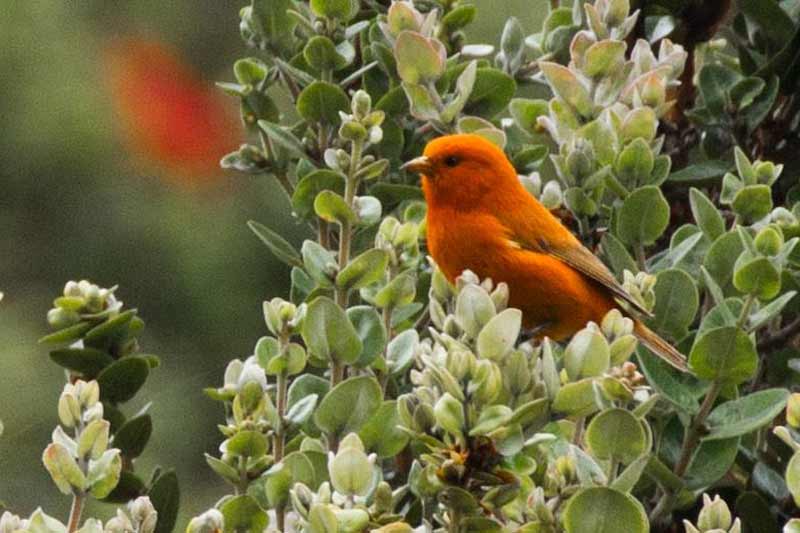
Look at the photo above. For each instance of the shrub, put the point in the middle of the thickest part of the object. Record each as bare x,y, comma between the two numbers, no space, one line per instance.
383,398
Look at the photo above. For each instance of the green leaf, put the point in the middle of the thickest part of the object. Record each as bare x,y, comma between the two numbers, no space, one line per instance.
758,277
319,262
400,291
133,435
643,217
321,102
321,54
499,335
302,410
164,494
104,473
706,171
270,19
714,82
459,17
604,510
343,10
367,268
712,460
576,399
86,361
616,434
721,257
617,255
401,350
120,381
567,87
677,302
604,57
745,414
328,333
631,475
526,113
745,91
279,247
635,162
371,330
247,444
706,214
349,405
776,25
310,186
419,60
492,92
380,433
421,101
755,513
67,334
283,138
667,382
727,354
106,333
243,515
771,310
586,355
753,202
793,477
331,207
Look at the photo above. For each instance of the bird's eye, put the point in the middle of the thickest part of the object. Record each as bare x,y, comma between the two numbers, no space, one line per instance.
451,161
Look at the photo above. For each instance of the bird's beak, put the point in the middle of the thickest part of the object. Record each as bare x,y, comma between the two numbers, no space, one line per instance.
421,165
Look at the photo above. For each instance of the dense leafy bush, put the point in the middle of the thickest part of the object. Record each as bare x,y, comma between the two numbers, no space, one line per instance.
383,398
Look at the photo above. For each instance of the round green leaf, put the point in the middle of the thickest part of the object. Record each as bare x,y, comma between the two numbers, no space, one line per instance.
244,515
586,355
643,217
132,437
364,270
401,350
349,405
419,60
86,361
753,202
321,54
721,257
247,443
328,333
331,207
604,510
499,335
310,186
380,434
120,381
335,9
676,302
758,277
371,330
321,102
726,354
793,477
491,93
616,434
576,398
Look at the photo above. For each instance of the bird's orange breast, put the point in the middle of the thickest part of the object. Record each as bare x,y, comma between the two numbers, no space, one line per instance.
553,297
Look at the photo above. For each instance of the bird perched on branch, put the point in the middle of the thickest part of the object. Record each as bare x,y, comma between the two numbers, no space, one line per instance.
481,218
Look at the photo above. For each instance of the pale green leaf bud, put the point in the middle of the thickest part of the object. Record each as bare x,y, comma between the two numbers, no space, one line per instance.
714,514
211,521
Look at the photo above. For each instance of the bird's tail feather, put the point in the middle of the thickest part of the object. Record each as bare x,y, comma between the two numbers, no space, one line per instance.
659,346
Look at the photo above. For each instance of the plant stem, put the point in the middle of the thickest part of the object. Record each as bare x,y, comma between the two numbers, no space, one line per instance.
279,438
641,260
75,512
690,442
745,314
578,434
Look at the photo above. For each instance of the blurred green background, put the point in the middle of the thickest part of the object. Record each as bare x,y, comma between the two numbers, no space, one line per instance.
79,201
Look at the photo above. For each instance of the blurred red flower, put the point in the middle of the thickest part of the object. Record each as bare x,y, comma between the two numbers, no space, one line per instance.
168,114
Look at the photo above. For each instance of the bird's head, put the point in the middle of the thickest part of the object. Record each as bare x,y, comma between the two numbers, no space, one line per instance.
462,169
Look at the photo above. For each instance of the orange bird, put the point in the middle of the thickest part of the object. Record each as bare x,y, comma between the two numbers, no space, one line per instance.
481,218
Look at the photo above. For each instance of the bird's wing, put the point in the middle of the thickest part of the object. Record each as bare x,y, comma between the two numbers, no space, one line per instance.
584,261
